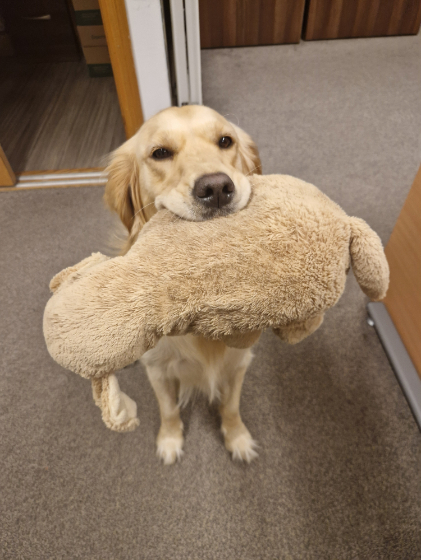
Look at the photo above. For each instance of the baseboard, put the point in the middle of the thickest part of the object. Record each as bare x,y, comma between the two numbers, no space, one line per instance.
61,178
399,358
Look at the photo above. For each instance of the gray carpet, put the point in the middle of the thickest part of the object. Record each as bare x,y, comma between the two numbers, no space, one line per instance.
339,471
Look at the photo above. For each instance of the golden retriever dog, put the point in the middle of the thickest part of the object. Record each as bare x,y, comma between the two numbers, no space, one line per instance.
195,163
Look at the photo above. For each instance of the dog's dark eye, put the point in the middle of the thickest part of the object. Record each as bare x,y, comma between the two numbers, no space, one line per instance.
162,153
225,142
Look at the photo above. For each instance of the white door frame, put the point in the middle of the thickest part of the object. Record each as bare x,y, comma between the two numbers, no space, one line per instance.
148,38
147,34
186,43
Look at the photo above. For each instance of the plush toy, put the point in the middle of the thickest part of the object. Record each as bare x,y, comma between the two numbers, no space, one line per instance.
279,263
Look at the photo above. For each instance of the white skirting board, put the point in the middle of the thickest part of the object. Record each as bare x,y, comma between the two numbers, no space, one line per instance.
399,358
77,179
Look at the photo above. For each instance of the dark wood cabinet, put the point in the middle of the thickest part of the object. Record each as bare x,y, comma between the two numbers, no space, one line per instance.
236,23
339,19
41,29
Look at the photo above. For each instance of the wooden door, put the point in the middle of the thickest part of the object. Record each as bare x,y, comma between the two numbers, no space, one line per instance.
338,19
239,23
403,300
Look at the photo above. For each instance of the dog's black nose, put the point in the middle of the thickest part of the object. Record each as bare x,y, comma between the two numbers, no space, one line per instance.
214,190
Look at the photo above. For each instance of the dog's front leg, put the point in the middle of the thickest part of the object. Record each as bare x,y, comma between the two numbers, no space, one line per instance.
170,437
237,437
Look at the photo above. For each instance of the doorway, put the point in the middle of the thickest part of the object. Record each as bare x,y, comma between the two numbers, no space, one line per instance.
61,108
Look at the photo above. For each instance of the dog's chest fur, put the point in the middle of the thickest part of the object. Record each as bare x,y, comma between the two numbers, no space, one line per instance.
197,364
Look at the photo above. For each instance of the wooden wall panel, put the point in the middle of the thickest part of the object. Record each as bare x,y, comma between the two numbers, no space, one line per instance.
239,23
403,300
338,19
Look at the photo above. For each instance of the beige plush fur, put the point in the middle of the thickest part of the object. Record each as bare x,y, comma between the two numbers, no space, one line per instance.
279,263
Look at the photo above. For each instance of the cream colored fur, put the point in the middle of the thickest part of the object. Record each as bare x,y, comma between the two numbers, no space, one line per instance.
138,184
279,263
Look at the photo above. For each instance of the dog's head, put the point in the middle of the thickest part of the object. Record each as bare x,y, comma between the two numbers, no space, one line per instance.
190,160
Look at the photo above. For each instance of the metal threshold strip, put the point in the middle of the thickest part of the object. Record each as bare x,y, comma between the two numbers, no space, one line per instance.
77,179
399,358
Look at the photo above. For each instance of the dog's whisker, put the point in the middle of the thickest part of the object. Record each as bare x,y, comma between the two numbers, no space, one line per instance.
232,115
250,172
146,205
176,218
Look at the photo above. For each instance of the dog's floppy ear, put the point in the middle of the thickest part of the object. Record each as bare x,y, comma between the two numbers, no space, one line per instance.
121,173
368,260
124,193
249,154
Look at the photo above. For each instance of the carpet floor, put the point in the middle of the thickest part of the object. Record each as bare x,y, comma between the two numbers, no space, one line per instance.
339,469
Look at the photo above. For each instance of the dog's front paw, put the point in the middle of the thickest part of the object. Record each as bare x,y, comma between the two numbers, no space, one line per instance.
170,448
240,443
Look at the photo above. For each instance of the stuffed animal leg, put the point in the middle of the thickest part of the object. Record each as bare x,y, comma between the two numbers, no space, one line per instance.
72,273
119,411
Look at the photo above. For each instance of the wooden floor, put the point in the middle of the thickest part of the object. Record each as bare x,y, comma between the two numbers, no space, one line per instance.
54,116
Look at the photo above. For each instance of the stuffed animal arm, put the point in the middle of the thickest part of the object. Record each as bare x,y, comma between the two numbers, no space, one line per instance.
279,263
